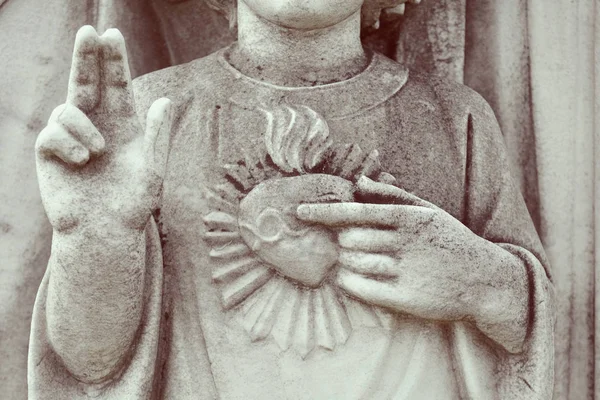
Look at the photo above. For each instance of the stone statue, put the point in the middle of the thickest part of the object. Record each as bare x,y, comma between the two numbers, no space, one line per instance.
295,217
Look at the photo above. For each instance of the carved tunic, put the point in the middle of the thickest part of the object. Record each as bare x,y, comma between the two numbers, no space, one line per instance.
219,323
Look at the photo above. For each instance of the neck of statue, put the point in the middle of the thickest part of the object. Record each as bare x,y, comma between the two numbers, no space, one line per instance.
290,57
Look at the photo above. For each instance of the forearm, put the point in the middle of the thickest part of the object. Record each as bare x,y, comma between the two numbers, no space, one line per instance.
499,295
95,298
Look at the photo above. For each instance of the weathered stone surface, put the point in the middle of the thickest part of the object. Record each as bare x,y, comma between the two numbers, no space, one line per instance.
331,226
26,239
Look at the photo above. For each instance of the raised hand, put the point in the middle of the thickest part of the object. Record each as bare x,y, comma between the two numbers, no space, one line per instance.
411,256
96,165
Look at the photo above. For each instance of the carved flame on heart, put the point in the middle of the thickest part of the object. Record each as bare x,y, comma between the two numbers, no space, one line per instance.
269,302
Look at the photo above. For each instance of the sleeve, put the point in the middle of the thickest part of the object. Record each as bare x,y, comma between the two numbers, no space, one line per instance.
47,378
495,210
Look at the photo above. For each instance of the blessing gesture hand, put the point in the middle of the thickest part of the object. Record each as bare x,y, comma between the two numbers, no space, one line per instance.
96,164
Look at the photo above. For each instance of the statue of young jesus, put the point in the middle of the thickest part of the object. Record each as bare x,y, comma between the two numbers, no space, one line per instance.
295,218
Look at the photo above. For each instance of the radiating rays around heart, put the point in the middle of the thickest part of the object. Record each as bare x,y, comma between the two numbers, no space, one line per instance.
298,318
238,290
221,220
260,315
269,304
229,271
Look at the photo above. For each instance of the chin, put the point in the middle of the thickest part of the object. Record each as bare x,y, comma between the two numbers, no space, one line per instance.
304,15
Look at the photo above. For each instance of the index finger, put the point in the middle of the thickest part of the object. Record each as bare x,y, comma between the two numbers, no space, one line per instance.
344,214
84,80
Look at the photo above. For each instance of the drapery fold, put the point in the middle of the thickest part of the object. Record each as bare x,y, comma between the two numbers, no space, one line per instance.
498,67
535,61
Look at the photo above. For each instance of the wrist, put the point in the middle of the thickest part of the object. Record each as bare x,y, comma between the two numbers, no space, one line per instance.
500,300
106,245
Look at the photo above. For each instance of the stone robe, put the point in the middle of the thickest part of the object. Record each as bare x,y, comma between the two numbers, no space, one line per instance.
440,140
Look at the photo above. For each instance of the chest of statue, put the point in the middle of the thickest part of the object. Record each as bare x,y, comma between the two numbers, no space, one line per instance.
261,287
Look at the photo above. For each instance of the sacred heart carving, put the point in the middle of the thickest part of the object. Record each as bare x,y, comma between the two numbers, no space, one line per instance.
295,249
274,268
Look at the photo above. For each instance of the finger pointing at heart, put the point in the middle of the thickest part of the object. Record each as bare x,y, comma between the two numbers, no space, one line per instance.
379,215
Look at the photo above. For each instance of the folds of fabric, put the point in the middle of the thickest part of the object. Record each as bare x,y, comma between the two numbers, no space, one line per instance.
49,379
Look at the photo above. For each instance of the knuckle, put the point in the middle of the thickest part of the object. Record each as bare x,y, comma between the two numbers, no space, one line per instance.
77,158
43,139
69,110
99,144
56,113
87,97
73,119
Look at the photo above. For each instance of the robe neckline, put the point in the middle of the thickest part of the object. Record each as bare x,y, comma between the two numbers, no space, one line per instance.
374,85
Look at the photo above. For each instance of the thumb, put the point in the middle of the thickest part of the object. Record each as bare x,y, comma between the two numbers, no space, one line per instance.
159,122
